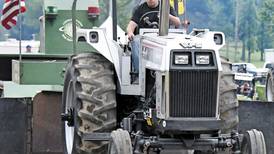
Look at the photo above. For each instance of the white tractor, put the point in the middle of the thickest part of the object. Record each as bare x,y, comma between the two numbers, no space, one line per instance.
185,97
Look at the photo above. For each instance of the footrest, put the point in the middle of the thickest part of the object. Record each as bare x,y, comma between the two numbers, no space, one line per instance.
96,136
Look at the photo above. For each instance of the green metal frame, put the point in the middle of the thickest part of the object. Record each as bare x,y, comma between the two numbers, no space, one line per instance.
37,72
44,70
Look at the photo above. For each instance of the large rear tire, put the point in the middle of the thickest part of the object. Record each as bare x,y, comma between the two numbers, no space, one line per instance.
228,99
89,93
270,87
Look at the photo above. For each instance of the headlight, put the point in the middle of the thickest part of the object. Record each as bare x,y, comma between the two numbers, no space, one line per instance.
181,59
202,59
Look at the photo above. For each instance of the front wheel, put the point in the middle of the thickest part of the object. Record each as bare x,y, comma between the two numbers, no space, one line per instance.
120,142
253,143
89,103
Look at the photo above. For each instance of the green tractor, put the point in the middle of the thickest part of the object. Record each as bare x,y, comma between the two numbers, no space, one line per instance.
185,97
35,78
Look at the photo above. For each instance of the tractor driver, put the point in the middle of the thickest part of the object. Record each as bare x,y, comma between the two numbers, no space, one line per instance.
145,16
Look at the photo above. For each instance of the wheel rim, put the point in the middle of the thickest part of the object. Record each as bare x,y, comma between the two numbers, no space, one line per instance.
245,145
245,149
69,131
269,89
113,149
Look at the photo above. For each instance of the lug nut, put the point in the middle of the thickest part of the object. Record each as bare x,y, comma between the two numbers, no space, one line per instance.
64,116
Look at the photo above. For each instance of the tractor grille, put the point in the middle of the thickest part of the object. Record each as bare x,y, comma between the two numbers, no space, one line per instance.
193,93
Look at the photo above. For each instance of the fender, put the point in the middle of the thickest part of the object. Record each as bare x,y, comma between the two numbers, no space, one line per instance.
98,39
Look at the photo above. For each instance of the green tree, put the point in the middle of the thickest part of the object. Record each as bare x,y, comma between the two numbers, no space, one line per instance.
198,15
221,16
266,18
248,26
124,10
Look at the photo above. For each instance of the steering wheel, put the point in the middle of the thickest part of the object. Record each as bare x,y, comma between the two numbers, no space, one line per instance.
150,19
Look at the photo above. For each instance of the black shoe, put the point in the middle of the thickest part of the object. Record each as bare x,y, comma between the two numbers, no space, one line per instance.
134,77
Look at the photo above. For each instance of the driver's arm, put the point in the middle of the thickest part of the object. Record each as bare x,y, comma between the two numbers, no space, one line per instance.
130,29
174,20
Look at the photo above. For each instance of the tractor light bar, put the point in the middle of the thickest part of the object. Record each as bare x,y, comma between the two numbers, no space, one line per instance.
181,59
203,59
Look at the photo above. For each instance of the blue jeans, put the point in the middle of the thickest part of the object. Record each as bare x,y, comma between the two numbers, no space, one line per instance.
135,47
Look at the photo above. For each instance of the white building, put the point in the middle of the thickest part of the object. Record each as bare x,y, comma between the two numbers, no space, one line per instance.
11,46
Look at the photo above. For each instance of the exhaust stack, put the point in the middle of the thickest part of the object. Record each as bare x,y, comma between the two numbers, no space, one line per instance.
164,17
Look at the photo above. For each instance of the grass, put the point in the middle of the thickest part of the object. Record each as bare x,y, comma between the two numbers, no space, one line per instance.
228,51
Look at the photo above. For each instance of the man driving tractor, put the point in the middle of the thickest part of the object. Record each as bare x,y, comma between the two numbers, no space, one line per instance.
146,15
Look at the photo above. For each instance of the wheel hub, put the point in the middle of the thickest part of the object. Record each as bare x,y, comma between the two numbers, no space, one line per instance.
68,117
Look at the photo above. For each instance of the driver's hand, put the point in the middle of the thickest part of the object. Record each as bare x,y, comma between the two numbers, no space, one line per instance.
130,36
